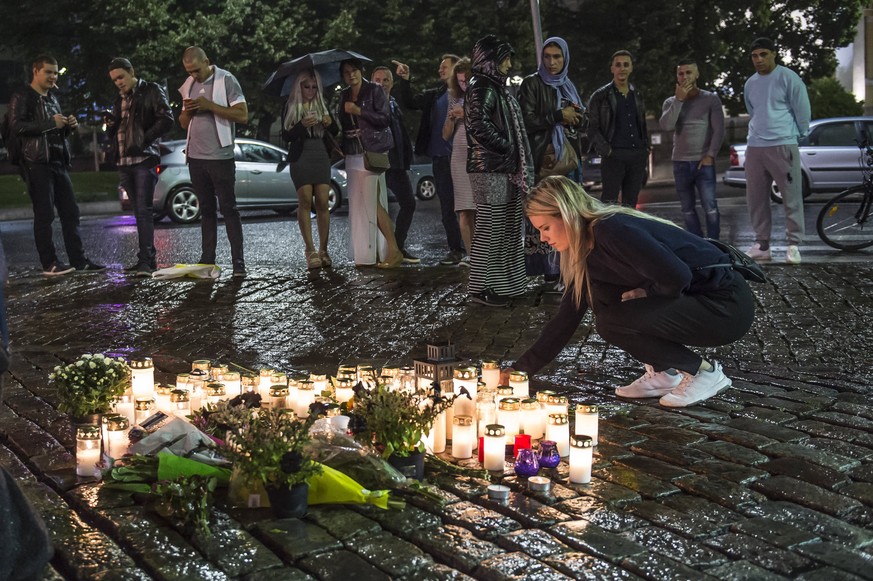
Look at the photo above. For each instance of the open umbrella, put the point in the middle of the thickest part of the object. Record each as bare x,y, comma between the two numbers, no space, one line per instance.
325,62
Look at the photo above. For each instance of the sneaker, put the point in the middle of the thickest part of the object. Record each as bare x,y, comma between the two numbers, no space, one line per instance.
758,255
89,266
651,384
490,299
452,258
239,269
58,269
410,259
465,262
144,270
696,388
792,256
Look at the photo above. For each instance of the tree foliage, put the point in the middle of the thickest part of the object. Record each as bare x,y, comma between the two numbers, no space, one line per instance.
828,98
252,37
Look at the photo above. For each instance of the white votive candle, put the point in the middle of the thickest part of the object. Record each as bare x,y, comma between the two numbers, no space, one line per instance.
124,407
508,416
88,451
232,383
495,448
181,403
462,442
558,431
519,383
305,397
587,419
532,419
344,390
491,374
162,397
557,404
117,438
142,377
581,458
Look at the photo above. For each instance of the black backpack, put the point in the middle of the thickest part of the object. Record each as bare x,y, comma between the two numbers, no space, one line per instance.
12,143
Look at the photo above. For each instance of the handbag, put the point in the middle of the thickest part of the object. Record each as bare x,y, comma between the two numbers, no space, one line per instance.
739,261
553,166
374,161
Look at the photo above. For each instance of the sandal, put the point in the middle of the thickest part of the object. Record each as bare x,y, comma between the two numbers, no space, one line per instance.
392,262
313,261
325,259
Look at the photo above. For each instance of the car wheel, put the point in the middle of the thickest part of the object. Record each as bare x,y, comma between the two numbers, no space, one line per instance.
334,198
426,188
776,195
182,205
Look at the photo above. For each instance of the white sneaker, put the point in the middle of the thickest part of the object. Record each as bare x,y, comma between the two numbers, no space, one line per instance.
792,256
696,388
758,255
651,384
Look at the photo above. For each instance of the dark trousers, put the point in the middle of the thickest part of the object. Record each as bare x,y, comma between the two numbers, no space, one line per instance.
656,330
214,178
623,171
50,187
139,181
442,175
398,182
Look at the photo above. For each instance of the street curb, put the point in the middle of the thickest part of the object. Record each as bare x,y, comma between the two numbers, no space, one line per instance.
85,209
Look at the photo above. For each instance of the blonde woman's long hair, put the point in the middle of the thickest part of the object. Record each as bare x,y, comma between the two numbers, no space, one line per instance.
295,110
563,198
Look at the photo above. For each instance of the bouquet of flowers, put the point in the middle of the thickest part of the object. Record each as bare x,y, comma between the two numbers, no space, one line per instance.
90,384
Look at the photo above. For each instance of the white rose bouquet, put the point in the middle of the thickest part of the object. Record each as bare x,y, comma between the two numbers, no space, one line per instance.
90,384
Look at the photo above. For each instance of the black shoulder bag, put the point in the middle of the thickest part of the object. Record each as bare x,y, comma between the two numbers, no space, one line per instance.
740,262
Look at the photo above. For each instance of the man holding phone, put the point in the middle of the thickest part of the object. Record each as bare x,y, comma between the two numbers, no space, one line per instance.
212,103
697,118
42,129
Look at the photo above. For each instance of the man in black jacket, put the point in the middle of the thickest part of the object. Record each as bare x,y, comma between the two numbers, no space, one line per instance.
434,106
617,131
140,116
42,130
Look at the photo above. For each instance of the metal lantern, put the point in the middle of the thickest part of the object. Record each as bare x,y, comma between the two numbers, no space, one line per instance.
438,367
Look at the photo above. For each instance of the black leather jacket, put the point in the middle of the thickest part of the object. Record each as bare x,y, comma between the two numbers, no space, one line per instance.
423,102
491,144
152,118
541,112
31,119
375,116
601,110
400,155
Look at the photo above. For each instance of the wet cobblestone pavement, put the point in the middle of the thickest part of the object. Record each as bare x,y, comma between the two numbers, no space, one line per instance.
772,479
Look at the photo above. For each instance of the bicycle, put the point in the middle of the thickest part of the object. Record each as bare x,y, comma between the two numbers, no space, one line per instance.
846,221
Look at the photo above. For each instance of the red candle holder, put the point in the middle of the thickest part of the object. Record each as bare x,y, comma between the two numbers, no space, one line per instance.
481,452
522,441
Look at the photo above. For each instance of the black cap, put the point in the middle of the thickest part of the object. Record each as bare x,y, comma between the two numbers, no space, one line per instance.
764,43
120,63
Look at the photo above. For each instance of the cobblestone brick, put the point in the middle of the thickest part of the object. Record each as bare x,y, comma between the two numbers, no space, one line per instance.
826,430
764,415
437,572
732,452
647,486
535,542
389,553
673,520
841,419
840,448
337,565
293,539
826,527
517,565
719,490
484,523
767,429
672,436
781,534
805,494
402,522
743,570
806,471
854,562
596,541
341,522
655,566
455,546
801,452
742,547
526,510
735,436
672,455
664,542
729,471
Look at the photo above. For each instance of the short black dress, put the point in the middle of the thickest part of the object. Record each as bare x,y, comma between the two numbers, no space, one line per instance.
313,165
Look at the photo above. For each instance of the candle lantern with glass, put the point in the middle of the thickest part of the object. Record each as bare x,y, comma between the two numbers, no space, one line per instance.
232,381
438,367
558,431
491,373
162,397
181,403
279,397
581,458
587,419
143,407
88,451
503,391
116,436
495,448
142,377
532,419
463,437
215,392
518,381
508,413
305,397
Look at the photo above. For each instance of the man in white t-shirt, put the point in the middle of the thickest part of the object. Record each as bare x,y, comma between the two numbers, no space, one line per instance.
212,102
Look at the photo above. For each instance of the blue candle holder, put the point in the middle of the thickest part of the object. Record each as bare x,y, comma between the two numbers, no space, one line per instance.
549,456
527,463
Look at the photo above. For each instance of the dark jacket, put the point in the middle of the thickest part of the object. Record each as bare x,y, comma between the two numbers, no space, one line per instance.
601,111
400,155
296,136
375,117
423,102
491,145
151,118
541,112
31,115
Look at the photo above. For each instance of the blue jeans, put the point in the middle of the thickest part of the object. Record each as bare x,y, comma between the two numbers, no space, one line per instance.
50,187
139,181
690,179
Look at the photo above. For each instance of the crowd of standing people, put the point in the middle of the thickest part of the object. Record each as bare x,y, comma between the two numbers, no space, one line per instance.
506,170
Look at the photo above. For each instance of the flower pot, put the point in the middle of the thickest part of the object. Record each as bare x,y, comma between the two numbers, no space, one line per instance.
289,502
411,466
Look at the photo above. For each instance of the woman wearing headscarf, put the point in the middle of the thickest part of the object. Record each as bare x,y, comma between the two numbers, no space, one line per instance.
553,118
501,173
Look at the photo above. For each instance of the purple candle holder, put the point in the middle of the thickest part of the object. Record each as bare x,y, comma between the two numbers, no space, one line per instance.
549,456
527,463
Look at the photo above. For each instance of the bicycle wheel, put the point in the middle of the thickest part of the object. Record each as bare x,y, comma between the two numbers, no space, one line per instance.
846,222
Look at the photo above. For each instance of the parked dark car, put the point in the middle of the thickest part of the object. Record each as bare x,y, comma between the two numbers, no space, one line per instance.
830,160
